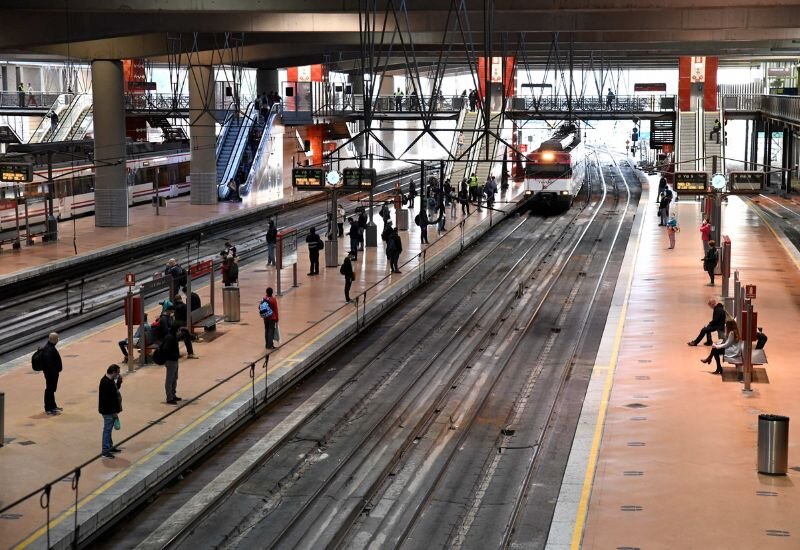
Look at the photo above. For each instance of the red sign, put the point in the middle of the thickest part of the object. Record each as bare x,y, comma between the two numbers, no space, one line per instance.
200,269
750,292
130,279
650,87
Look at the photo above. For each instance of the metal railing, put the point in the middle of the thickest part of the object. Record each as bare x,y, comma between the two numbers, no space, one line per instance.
626,104
785,107
749,102
338,103
25,100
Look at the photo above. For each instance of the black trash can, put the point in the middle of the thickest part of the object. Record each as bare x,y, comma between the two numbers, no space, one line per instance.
773,444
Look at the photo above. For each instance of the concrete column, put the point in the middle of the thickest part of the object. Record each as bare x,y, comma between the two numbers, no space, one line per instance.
111,188
267,80
202,132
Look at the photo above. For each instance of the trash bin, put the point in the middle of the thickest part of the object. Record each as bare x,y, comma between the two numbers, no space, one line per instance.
331,253
773,444
231,306
402,220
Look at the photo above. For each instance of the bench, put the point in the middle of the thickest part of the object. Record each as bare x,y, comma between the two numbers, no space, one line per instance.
204,317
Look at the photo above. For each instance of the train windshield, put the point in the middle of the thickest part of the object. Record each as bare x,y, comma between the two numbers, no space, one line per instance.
549,171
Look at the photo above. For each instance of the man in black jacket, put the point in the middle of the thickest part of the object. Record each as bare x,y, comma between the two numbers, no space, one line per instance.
109,405
717,323
51,370
315,244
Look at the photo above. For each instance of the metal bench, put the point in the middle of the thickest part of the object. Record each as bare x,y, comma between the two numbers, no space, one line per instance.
204,317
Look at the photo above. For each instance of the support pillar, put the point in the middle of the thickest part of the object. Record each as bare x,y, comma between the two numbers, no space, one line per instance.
202,133
754,146
267,80
786,165
111,183
768,150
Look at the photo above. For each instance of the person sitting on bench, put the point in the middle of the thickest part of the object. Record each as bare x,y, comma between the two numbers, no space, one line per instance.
144,328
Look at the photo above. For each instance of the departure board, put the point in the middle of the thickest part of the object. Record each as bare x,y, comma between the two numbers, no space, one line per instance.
308,179
359,179
746,182
691,183
17,172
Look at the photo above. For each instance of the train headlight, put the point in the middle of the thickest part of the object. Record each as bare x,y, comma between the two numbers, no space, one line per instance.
565,192
548,156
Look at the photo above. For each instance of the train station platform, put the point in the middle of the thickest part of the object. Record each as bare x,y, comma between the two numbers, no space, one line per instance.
314,321
665,451
80,240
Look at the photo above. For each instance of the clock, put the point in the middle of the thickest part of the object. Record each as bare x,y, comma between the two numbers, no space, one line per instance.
718,182
333,177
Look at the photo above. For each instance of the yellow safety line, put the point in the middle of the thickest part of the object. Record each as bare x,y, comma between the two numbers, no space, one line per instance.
583,505
100,490
775,233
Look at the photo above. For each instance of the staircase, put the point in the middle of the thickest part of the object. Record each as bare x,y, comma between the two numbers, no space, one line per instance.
169,132
484,167
712,146
687,142
78,130
227,146
460,168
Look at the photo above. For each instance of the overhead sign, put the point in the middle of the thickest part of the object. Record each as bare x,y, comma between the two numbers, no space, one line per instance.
130,279
16,172
308,179
691,183
359,179
497,69
779,71
304,73
750,292
742,182
698,73
650,87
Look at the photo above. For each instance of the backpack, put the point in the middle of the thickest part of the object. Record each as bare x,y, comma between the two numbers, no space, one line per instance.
264,309
37,360
416,219
158,355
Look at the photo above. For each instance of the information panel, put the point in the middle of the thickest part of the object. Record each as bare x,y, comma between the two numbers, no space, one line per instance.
746,182
308,179
691,183
359,179
287,248
16,172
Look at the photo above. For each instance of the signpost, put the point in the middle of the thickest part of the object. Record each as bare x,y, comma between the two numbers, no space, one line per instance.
287,255
746,182
308,179
750,292
16,172
691,183
359,179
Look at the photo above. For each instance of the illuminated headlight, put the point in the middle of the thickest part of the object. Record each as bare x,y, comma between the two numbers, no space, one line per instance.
548,156
528,193
565,192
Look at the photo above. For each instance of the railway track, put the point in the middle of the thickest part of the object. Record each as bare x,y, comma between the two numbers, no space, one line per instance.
27,317
439,412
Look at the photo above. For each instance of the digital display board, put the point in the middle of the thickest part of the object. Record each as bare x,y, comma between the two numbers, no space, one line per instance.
691,183
746,182
359,179
18,172
308,179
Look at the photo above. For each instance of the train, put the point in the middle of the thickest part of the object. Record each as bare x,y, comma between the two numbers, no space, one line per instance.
555,171
73,192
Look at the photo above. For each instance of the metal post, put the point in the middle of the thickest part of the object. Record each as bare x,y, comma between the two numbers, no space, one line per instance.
16,245
28,237
129,307
768,150
143,337
156,193
789,158
747,354
422,184
716,218
2,418
726,266
189,297
294,275
714,163
737,297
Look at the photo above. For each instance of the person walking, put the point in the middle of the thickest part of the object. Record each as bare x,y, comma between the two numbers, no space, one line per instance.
315,244
663,209
51,367
340,219
272,239
440,212
347,271
705,235
355,234
171,355
731,348
31,97
109,406
395,246
422,221
463,196
672,230
717,323
268,309
710,261
177,272
412,192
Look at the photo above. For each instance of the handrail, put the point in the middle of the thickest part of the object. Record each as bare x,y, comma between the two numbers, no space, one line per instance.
254,167
593,104
80,103
45,129
226,125
13,100
236,154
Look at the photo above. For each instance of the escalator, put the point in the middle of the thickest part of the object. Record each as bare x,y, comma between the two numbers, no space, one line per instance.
261,175
74,113
45,131
232,145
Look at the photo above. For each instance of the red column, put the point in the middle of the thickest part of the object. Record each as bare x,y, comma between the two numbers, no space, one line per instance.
316,134
710,87
685,84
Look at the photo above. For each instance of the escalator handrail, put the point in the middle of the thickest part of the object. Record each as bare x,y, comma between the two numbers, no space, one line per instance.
236,154
46,120
273,112
77,103
223,134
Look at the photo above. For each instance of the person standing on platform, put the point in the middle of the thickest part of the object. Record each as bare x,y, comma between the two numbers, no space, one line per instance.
340,219
395,247
663,209
672,230
710,261
383,213
109,406
315,244
705,235
272,239
463,195
270,316
422,221
21,94
386,236
349,275
177,272
362,228
473,187
717,323
441,213
171,354
412,192
51,367
610,99
354,233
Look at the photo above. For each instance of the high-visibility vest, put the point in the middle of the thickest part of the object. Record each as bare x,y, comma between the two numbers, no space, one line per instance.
473,181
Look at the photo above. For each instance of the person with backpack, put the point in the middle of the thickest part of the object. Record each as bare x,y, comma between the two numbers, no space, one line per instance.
272,238
315,244
663,209
109,406
422,221
47,360
412,192
177,272
347,271
672,230
268,309
710,260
